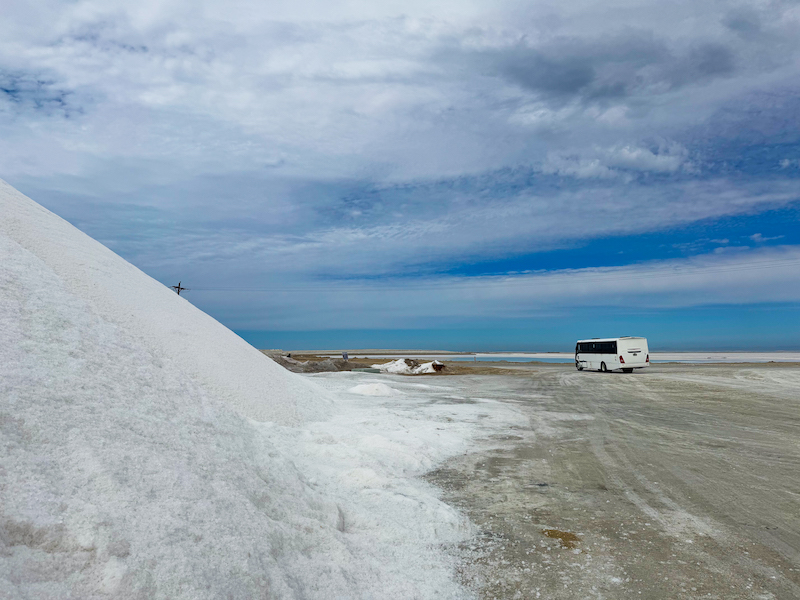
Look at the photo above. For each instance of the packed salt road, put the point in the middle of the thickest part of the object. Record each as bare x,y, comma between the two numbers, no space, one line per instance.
678,481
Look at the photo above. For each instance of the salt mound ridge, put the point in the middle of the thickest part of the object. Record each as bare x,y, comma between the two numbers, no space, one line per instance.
149,452
125,298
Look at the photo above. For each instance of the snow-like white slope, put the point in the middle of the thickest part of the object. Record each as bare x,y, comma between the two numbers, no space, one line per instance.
123,296
129,467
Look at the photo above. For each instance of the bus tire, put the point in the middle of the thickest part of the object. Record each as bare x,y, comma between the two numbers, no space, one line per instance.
603,368
578,366
627,370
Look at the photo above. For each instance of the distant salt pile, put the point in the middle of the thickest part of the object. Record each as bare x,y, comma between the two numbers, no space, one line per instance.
405,366
144,445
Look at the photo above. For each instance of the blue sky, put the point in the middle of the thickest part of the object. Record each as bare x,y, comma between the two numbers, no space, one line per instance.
453,175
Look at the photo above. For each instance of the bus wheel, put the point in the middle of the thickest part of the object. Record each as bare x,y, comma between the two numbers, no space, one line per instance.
627,370
578,366
603,367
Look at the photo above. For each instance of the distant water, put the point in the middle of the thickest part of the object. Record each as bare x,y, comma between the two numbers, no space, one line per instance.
568,357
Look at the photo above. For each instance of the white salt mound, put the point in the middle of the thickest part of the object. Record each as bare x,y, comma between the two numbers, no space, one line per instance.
427,367
401,367
124,297
374,389
133,462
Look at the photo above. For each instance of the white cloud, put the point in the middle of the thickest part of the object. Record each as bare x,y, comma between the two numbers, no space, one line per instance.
289,142
574,166
294,244
666,160
729,278
616,161
758,238
337,89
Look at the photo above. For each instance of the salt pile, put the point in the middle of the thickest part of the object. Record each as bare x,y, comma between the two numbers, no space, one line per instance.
403,366
149,452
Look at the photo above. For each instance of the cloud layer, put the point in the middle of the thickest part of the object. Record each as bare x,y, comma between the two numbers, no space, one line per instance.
311,143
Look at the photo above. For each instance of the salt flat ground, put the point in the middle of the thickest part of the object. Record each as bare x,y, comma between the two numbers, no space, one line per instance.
678,481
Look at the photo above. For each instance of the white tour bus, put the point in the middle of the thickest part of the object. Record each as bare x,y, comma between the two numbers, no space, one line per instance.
607,354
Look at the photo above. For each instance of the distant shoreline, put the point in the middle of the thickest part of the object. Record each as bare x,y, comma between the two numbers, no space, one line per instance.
739,356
